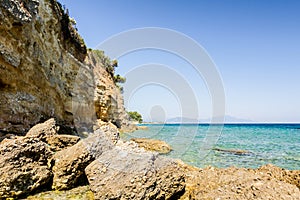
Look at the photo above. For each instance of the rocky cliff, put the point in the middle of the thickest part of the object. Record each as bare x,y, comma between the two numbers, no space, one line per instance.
46,71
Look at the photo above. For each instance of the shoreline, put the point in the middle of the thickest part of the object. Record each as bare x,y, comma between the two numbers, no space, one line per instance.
88,156
252,145
226,123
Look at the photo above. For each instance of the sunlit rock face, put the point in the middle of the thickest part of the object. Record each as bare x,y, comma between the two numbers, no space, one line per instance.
46,71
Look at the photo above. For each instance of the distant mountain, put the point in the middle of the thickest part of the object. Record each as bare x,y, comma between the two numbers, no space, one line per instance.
228,119
231,119
181,120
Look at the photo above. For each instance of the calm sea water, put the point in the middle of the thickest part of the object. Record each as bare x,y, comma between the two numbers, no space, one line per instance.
278,144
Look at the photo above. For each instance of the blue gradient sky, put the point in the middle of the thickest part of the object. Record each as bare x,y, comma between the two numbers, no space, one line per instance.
255,45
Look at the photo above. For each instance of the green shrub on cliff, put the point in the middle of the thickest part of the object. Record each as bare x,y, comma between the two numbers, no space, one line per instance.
114,63
119,79
109,64
135,116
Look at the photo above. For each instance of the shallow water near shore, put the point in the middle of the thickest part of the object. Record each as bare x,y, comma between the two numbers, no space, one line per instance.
278,144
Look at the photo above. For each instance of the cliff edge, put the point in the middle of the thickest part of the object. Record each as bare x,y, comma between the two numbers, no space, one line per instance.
46,71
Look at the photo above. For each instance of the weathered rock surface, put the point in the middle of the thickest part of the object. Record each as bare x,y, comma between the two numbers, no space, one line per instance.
291,177
44,130
238,183
70,163
23,166
60,142
25,162
128,172
48,133
122,170
46,71
107,102
153,145
109,129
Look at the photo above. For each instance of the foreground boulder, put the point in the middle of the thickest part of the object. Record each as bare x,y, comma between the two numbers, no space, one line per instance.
25,162
23,166
44,130
48,133
70,163
128,172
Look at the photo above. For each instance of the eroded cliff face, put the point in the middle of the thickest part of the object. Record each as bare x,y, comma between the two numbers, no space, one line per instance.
46,71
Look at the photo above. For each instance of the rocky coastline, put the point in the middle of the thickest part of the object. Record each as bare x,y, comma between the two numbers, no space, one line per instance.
44,164
61,114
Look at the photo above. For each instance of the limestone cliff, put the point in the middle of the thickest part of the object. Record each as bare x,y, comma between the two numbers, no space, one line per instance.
46,71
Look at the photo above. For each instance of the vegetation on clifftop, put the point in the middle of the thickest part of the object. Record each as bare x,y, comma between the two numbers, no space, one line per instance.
134,115
110,66
74,43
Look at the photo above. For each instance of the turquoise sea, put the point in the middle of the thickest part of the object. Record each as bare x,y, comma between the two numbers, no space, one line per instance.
278,144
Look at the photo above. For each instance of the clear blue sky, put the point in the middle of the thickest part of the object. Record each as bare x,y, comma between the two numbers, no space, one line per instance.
255,45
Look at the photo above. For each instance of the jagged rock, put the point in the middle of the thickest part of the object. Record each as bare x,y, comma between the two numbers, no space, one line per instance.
291,177
48,133
152,145
60,142
236,183
109,129
128,172
69,164
10,57
6,136
21,11
108,101
44,130
23,166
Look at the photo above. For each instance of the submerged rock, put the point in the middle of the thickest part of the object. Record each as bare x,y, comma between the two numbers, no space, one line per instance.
233,151
142,128
153,145
23,166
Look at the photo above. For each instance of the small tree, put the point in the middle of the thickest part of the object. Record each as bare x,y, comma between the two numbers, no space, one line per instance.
105,60
114,63
119,79
134,115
